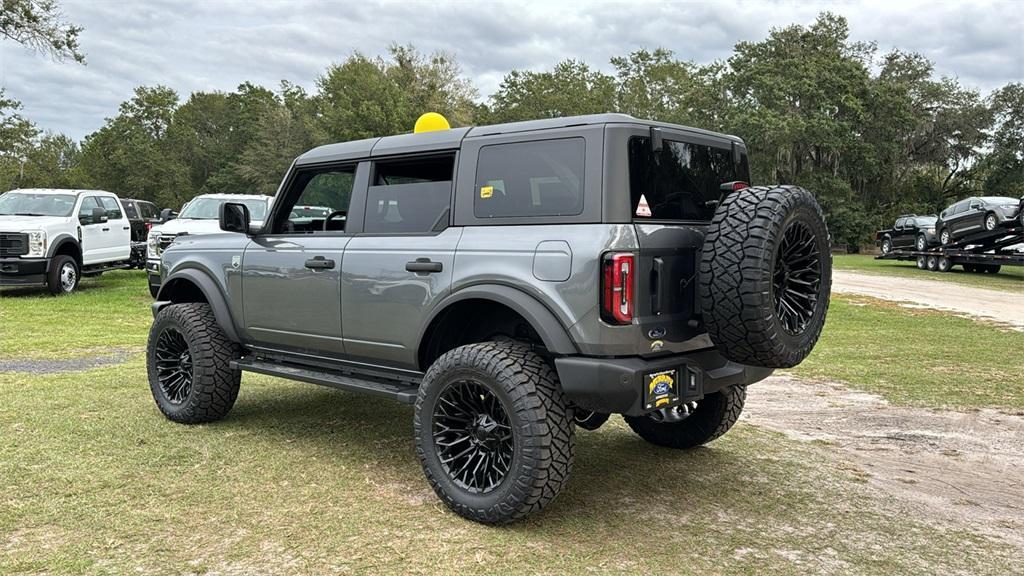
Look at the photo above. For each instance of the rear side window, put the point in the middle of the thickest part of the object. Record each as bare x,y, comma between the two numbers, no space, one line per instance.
682,181
410,196
111,206
524,179
129,209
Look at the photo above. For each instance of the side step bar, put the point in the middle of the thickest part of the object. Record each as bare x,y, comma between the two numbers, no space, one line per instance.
396,390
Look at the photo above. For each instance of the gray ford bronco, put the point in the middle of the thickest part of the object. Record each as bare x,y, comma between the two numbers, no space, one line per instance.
512,282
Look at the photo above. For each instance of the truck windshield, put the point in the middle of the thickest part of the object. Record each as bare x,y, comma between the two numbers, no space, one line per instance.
682,181
29,204
209,208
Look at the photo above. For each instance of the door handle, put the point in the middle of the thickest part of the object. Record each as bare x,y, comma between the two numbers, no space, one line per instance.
423,266
319,263
126,228
106,229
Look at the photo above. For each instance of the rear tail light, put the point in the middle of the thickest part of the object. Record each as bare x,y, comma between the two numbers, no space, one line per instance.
617,274
149,225
733,186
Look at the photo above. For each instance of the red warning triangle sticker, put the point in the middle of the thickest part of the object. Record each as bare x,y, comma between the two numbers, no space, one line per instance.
643,209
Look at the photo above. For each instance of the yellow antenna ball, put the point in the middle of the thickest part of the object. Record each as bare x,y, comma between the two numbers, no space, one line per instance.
430,122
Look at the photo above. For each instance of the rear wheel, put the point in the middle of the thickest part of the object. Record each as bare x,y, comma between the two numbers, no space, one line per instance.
493,432
766,276
713,416
63,276
886,246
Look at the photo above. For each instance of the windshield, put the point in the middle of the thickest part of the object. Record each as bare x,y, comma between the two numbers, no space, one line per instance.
209,208
29,204
309,212
926,220
999,200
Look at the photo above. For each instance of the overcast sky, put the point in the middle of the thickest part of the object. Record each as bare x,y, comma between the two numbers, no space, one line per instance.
194,45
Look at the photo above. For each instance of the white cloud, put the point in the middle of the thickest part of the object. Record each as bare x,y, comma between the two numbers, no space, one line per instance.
215,45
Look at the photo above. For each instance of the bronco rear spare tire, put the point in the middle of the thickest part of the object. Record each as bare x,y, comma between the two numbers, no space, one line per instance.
766,275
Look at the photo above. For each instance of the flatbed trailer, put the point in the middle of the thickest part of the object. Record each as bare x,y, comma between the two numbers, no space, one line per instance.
982,252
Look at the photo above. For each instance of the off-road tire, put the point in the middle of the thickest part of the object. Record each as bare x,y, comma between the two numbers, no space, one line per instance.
53,275
214,387
737,270
715,414
527,388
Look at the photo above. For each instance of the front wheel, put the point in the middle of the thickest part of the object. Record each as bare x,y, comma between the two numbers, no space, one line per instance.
944,237
188,357
991,222
922,243
713,416
493,432
63,276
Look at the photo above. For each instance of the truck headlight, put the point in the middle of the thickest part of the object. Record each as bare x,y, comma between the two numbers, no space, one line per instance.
36,243
152,243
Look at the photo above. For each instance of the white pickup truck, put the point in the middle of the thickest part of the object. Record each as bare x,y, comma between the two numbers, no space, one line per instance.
54,237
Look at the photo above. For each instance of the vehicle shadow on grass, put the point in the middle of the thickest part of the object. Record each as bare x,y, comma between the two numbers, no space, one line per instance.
613,467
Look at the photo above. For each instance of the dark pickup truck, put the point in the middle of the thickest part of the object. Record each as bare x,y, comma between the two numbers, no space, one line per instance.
910,232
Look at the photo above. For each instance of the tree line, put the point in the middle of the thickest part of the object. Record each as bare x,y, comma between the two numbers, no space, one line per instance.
871,134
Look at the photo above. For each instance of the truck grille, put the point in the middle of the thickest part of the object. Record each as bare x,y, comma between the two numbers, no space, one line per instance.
163,242
13,244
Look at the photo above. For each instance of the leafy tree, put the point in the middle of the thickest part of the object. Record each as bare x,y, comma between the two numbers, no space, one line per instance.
40,25
366,97
1004,165
16,140
570,88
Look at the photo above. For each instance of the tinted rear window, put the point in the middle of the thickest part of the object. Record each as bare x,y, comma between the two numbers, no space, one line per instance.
682,181
525,179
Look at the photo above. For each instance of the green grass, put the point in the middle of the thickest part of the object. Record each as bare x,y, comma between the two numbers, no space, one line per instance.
109,312
1010,278
301,479
919,357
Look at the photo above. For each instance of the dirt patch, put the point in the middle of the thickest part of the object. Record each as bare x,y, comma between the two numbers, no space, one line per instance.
995,305
50,366
963,468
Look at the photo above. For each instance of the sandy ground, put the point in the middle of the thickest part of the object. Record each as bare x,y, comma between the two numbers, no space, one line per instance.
959,468
1003,307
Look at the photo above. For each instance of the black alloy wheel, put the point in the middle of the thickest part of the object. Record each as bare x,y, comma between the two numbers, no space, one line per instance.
797,277
472,436
174,365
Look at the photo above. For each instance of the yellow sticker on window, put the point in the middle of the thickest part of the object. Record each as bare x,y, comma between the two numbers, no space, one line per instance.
486,191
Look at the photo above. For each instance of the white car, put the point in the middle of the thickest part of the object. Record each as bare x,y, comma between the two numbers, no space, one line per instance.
198,216
54,237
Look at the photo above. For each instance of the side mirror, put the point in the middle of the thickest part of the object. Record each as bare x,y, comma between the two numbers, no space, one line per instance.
167,214
234,217
96,216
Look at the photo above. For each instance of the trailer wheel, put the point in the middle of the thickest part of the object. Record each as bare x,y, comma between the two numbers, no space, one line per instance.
933,263
944,264
970,268
922,262
993,268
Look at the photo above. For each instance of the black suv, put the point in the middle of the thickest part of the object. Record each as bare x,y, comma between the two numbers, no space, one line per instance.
141,217
977,214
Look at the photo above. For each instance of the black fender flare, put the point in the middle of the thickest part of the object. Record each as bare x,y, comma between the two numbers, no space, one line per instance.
61,240
551,331
210,290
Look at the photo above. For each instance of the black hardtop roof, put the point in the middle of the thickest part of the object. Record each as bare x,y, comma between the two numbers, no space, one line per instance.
452,139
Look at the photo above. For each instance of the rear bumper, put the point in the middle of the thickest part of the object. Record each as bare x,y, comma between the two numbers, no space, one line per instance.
617,385
23,272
